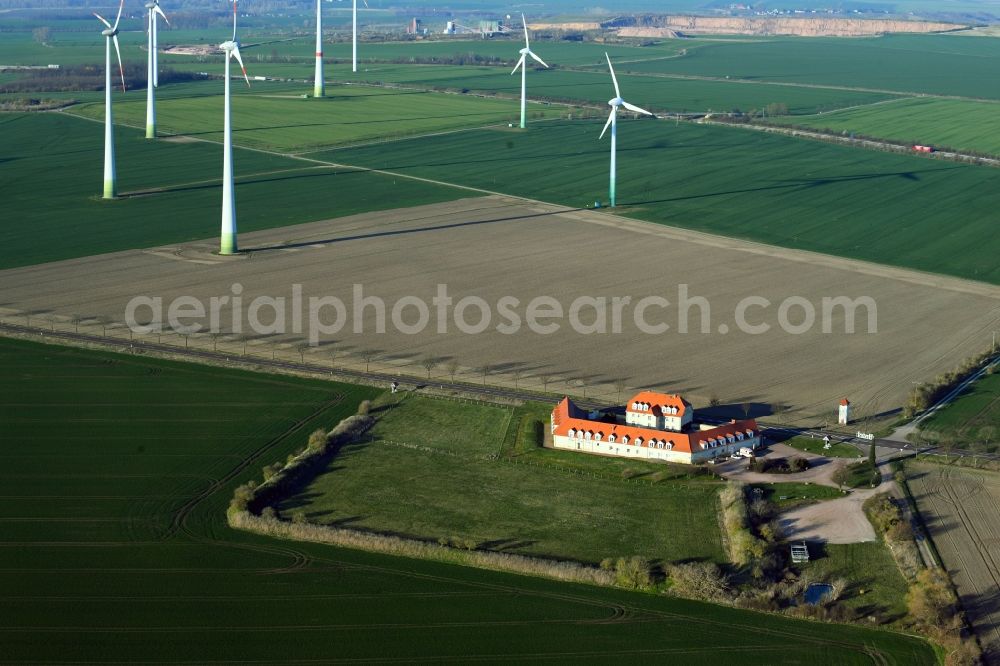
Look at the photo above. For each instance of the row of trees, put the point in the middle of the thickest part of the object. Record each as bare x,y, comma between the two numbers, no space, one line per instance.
923,396
88,77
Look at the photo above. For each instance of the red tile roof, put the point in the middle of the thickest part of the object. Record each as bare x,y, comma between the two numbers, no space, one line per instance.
654,399
567,416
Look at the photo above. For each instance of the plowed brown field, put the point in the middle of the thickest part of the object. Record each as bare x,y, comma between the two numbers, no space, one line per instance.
962,510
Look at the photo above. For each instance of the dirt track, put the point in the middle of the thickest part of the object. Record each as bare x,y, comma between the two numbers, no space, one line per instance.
493,247
962,510
839,520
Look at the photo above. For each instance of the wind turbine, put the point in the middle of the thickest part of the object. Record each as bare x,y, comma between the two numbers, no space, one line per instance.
111,35
318,89
613,123
153,8
354,43
228,239
523,64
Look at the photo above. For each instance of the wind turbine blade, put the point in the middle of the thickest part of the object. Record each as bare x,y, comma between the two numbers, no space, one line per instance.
234,20
121,70
118,18
532,54
618,93
633,107
525,24
156,8
236,54
366,3
611,117
519,64
102,19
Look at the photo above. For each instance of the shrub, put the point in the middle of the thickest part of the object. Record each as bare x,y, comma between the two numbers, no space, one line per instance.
699,580
365,408
317,440
633,573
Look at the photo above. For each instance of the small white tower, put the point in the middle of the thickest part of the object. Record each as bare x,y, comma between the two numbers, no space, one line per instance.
844,412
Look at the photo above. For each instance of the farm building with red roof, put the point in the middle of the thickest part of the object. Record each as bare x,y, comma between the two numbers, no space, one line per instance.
654,426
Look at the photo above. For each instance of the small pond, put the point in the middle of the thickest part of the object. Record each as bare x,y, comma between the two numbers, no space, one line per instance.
816,592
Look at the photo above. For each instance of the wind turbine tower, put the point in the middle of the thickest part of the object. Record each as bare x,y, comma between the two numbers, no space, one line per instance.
318,89
228,243
111,36
613,123
523,64
354,40
153,8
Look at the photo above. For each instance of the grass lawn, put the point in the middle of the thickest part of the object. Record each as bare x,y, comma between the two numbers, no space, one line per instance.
924,120
410,480
117,471
50,183
860,475
886,208
874,581
788,495
973,419
836,450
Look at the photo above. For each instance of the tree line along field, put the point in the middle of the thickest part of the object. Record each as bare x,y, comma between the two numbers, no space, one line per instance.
430,471
118,471
275,117
880,207
50,182
962,125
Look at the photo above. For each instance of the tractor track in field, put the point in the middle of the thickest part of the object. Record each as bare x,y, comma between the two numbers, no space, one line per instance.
617,613
965,526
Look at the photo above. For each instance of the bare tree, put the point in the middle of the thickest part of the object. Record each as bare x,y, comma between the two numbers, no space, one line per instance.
746,406
368,356
104,321
429,363
546,380
333,357
452,369
244,340
302,348
75,319
486,369
516,373
215,340
619,387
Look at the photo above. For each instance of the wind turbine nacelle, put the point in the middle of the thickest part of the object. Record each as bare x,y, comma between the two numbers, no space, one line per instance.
617,101
109,32
150,5
228,46
524,51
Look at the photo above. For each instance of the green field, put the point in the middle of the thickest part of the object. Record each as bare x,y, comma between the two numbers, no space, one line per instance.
275,117
410,480
50,182
899,63
972,420
657,94
961,125
886,208
836,450
117,473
